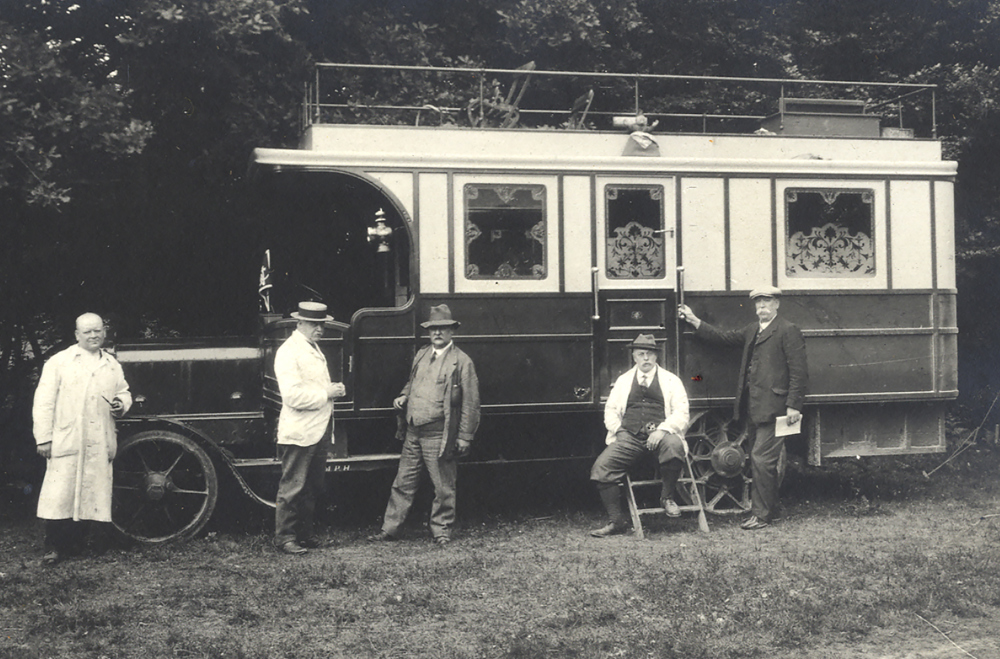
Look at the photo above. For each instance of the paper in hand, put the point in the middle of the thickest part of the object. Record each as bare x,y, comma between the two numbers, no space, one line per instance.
782,428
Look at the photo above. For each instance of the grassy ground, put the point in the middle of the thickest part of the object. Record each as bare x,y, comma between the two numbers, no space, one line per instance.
871,560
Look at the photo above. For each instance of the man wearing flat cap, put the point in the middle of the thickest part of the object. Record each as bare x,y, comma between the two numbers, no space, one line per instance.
646,413
305,428
772,382
440,404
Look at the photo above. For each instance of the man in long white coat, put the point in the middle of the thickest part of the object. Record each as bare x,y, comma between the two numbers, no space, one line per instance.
80,393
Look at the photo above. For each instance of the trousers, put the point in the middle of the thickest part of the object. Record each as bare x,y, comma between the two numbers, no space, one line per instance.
767,461
303,470
421,448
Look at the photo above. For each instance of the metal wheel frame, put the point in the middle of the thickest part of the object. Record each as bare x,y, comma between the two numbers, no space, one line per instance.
165,487
721,495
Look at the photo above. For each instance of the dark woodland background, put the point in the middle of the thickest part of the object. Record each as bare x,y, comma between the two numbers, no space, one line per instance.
126,128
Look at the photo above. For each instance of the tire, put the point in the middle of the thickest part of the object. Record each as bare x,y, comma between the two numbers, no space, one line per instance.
165,487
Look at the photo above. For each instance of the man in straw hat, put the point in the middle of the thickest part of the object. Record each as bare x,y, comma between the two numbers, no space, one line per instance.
646,412
440,404
772,383
305,428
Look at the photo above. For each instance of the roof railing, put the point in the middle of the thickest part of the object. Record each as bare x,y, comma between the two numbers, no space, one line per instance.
526,97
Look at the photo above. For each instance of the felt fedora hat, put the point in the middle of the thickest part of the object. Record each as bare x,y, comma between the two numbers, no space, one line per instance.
440,316
314,312
765,291
644,342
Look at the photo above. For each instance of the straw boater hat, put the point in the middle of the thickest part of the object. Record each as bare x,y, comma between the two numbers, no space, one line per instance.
314,312
644,342
765,291
440,316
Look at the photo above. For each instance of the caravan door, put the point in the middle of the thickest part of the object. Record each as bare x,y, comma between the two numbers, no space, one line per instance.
636,270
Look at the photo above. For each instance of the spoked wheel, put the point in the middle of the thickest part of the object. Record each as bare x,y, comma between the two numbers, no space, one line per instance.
165,487
720,460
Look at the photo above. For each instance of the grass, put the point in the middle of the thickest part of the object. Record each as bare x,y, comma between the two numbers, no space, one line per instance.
870,555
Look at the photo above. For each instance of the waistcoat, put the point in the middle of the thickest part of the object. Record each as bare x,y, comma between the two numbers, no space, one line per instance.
645,405
426,402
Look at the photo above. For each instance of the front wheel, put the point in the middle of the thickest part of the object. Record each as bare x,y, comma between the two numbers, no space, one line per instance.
165,487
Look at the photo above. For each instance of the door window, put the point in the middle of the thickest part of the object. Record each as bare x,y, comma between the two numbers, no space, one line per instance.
634,232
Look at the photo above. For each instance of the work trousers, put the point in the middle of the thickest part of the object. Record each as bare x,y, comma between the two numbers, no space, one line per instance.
71,537
421,449
618,457
767,459
303,470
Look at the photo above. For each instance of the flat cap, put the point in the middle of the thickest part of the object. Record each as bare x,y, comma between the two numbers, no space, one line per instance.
765,291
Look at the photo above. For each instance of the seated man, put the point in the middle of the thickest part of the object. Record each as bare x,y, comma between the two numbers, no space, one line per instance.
647,412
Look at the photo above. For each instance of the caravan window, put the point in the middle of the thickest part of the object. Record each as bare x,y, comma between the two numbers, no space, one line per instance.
634,239
830,233
505,232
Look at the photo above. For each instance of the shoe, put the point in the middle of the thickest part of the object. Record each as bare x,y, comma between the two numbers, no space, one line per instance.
292,547
670,507
311,543
442,541
754,523
51,557
381,536
608,529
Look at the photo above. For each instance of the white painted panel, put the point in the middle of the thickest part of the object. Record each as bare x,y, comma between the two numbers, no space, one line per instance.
944,208
749,233
910,206
399,184
432,228
578,229
880,279
550,284
703,233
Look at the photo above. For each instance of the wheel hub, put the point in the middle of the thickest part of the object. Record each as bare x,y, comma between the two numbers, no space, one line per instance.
156,486
728,459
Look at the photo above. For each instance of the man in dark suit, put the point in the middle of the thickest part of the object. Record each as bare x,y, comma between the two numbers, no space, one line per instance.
772,382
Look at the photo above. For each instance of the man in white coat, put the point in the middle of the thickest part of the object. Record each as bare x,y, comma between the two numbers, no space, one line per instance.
305,428
80,393
646,412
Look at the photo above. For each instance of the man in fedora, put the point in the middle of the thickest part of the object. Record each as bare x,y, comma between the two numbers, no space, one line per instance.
440,404
646,413
772,383
305,427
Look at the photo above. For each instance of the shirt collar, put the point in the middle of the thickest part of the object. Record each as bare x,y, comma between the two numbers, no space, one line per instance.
440,351
763,326
80,352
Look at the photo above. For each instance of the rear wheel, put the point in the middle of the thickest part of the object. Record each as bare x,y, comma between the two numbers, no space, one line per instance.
165,487
720,460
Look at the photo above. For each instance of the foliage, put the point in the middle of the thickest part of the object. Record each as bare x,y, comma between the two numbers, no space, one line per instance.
126,125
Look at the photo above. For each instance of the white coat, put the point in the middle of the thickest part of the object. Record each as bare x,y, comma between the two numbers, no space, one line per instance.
72,411
303,380
675,403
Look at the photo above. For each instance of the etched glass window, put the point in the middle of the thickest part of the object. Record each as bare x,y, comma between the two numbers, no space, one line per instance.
634,231
830,233
505,232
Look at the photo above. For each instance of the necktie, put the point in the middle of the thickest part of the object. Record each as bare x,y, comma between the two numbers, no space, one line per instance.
433,357
643,382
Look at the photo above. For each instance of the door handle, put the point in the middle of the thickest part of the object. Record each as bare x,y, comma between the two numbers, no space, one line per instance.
596,288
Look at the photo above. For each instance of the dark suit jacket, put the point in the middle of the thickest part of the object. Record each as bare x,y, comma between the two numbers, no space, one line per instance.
780,375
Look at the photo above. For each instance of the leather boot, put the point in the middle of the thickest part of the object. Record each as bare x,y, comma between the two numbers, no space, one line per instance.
612,499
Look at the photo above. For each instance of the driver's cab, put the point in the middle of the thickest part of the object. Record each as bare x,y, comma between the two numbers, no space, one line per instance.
332,237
